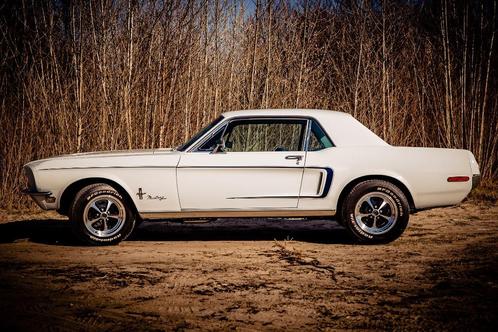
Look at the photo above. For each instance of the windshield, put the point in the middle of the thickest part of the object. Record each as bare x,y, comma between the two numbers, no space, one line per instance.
199,134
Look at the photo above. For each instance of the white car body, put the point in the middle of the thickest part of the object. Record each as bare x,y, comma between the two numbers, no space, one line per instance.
166,183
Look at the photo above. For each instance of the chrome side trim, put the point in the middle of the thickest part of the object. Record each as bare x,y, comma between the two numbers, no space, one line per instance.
272,197
244,167
237,214
98,167
319,183
256,197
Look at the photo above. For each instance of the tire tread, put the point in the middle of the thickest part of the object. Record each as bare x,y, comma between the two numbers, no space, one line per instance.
74,220
384,238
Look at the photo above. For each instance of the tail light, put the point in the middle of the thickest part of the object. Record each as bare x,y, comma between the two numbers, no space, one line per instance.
458,179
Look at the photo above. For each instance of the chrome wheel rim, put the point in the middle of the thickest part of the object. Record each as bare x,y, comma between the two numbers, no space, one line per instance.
376,213
104,216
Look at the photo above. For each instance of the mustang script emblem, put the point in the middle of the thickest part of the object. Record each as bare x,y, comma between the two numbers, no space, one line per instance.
141,195
156,197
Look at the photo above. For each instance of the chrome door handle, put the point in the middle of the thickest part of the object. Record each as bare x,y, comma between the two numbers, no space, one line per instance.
295,157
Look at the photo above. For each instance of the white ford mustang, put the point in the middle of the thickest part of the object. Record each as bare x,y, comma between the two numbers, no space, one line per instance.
259,163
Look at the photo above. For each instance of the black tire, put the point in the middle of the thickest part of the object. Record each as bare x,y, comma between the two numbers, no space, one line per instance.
99,215
368,218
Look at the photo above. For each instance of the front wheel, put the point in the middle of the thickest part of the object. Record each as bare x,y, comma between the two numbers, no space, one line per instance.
375,211
100,215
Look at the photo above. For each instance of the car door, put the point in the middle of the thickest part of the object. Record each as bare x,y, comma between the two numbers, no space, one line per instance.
260,166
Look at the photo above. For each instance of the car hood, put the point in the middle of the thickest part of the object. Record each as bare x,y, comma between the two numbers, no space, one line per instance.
109,159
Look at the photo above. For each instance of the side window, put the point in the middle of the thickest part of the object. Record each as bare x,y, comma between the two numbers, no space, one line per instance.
318,139
265,135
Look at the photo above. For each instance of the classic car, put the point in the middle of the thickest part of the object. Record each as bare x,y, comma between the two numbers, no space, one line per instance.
256,163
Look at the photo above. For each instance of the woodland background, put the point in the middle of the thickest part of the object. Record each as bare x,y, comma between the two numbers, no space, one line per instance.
96,75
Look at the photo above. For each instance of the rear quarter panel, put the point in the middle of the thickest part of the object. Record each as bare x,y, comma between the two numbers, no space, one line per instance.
424,171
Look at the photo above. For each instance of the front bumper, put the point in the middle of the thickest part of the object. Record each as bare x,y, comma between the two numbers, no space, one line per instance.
44,199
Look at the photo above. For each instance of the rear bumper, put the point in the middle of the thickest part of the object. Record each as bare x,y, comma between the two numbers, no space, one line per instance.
44,199
476,179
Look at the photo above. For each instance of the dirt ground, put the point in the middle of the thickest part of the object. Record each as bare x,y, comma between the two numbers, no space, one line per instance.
254,274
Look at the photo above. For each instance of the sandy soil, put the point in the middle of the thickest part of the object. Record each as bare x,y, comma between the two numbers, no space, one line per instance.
252,274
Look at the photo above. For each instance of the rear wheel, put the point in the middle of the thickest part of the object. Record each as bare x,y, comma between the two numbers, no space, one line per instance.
375,211
100,215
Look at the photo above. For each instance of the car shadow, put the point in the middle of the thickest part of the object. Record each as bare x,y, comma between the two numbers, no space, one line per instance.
58,232
43,231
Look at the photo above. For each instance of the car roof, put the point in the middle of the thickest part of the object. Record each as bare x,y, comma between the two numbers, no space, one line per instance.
284,112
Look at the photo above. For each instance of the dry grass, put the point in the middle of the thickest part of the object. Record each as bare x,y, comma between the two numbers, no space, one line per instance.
486,192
